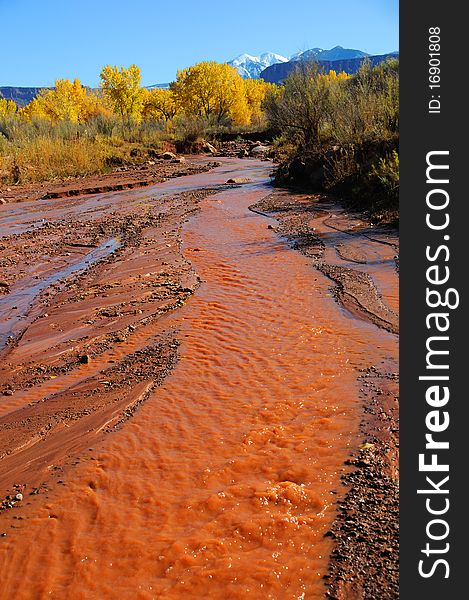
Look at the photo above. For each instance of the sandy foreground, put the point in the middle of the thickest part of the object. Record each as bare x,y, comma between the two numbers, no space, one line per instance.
236,342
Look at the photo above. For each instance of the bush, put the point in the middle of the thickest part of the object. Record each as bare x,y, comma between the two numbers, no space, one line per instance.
379,189
340,133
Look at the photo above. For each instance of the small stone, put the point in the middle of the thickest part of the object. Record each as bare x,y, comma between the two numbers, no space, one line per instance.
19,497
208,148
85,359
260,150
3,201
238,180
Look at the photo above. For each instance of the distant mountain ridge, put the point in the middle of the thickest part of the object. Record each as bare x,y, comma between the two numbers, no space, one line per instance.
336,53
20,95
269,66
251,67
23,95
278,72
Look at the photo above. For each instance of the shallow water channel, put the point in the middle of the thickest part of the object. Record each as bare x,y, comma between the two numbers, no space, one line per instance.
224,483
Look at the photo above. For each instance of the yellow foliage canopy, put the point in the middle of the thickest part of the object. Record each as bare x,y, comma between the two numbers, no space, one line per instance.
212,90
121,88
256,91
68,101
334,76
208,90
7,108
159,104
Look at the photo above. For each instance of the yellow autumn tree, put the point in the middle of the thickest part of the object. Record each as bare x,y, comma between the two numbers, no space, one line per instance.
212,90
256,91
159,104
334,76
121,88
67,101
7,108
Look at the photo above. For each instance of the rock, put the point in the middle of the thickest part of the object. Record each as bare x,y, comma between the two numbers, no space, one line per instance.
3,201
151,163
4,284
180,160
19,497
85,359
168,155
8,393
207,147
239,180
243,153
260,150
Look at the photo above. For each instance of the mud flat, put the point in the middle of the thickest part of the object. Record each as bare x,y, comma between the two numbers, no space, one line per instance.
183,394
123,178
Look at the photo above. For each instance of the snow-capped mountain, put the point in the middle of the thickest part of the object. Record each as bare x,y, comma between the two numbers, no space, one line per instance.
336,53
250,67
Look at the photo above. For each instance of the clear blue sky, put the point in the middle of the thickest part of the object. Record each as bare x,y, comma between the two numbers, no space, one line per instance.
47,39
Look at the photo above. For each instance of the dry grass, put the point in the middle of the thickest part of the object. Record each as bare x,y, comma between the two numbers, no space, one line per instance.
47,159
33,152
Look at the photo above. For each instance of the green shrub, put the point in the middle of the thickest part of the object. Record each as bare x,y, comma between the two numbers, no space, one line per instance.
340,134
378,191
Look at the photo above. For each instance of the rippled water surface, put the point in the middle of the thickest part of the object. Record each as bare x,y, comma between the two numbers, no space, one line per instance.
222,485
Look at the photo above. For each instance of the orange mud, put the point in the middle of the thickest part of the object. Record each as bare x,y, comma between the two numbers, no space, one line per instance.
224,482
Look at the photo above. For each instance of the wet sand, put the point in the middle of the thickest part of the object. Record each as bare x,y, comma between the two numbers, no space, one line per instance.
178,412
129,177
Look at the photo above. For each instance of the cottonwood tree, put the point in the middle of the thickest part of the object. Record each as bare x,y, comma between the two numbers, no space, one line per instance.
67,101
213,91
159,104
256,91
121,88
7,108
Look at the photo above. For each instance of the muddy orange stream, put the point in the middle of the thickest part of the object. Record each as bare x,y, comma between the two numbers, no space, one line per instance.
224,483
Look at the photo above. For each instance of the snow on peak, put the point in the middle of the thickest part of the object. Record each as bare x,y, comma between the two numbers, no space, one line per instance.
250,67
